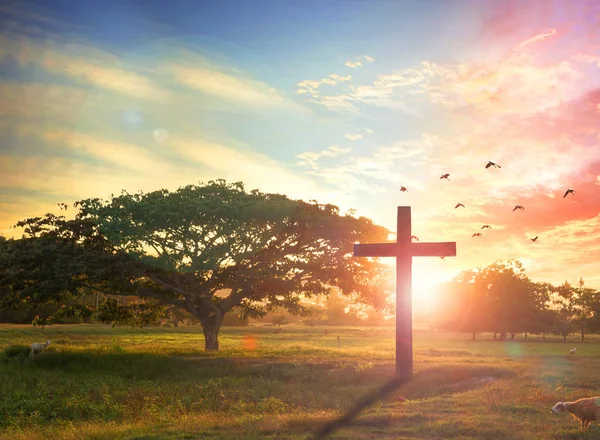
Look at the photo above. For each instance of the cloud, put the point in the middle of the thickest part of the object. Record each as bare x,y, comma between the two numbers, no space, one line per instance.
250,167
514,85
536,38
310,159
229,86
359,61
125,155
79,61
591,59
359,134
311,86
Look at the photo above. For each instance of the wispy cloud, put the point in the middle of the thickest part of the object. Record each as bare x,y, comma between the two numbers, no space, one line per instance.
228,86
536,38
311,86
358,134
359,61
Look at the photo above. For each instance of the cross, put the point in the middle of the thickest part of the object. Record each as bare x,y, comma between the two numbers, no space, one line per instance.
404,249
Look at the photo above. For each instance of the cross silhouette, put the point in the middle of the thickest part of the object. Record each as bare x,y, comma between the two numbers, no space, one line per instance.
403,249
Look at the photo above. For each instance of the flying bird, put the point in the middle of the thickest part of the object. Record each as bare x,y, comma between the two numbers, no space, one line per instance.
414,237
459,204
445,176
403,189
518,207
486,227
492,164
477,234
534,239
569,191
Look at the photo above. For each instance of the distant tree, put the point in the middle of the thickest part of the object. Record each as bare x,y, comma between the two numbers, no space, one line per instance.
565,310
510,299
180,248
462,306
583,300
279,320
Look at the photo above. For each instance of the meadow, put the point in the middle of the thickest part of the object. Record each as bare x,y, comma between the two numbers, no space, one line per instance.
99,382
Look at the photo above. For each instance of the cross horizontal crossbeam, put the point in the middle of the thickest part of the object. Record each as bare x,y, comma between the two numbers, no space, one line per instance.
439,249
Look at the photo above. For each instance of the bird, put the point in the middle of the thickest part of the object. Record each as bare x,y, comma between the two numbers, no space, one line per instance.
492,164
534,239
414,237
445,176
477,234
459,204
569,191
486,227
518,207
403,189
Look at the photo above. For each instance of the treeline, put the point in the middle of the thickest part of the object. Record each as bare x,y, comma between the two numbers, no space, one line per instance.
501,299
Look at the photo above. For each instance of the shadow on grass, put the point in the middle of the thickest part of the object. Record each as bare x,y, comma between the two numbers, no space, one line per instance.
156,367
427,383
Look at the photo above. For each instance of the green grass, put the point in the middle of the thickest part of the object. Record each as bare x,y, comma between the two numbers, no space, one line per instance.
96,382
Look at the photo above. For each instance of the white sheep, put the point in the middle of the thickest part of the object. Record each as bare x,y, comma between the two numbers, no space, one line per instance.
573,350
38,346
585,410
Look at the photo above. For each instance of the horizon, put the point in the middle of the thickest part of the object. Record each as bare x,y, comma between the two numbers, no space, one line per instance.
344,104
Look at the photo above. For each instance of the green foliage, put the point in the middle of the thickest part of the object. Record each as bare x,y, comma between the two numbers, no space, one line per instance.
135,315
181,248
501,298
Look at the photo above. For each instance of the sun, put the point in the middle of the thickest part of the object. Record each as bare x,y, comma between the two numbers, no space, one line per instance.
426,280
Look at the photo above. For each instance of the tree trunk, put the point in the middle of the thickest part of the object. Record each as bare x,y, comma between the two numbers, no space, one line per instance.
512,336
494,336
473,336
503,336
564,338
582,332
543,336
525,335
211,327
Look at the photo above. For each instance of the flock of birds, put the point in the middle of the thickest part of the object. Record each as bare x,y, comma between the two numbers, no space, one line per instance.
460,205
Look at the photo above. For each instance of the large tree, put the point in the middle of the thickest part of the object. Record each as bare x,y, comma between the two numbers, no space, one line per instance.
203,248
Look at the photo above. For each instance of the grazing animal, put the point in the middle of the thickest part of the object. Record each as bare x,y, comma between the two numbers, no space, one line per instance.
569,191
486,227
492,164
445,176
403,189
518,207
459,204
585,410
414,237
534,239
38,346
573,350
477,234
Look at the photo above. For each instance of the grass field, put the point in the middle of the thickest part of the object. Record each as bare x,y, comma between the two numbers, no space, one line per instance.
96,382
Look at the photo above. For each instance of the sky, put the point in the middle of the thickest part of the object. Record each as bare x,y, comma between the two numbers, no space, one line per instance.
339,101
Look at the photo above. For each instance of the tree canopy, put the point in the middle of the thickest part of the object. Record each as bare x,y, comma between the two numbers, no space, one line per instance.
203,248
500,298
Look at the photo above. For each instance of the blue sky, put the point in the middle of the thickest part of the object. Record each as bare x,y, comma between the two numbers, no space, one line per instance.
340,101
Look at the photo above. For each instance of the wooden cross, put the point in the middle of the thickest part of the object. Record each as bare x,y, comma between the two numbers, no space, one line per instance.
404,249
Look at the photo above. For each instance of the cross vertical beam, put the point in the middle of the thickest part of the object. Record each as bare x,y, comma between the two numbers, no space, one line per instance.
404,350
404,250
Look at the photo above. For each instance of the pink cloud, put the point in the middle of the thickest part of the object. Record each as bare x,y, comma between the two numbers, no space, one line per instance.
536,38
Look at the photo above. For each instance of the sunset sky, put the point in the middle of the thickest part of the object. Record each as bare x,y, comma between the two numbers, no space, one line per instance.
339,101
